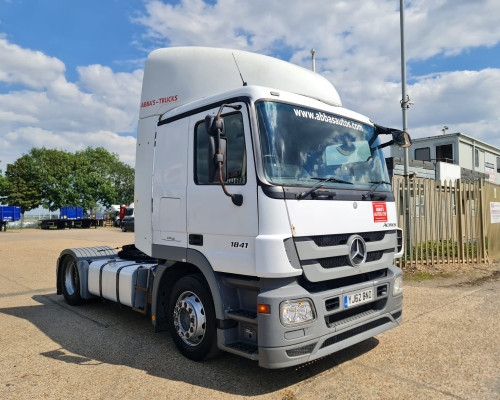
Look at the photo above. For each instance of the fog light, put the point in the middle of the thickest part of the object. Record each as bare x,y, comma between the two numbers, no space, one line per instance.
398,286
295,312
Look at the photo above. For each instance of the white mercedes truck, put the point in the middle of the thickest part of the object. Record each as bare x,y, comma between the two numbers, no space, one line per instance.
265,223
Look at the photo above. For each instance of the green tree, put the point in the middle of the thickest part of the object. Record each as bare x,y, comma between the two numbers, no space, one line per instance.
21,186
105,179
54,178
123,176
3,186
55,173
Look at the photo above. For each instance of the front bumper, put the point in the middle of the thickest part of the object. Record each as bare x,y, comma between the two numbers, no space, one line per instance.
334,328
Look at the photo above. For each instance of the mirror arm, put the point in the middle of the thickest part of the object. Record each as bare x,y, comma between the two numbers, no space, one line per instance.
219,157
382,130
236,198
381,146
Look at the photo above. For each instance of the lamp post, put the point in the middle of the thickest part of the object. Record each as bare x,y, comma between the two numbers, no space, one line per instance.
313,52
405,105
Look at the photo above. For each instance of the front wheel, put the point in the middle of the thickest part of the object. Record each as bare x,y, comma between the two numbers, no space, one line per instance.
192,318
71,282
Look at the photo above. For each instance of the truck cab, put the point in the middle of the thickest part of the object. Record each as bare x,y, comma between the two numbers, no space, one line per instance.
265,208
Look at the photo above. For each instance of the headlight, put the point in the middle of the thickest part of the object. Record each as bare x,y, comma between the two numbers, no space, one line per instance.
398,286
295,312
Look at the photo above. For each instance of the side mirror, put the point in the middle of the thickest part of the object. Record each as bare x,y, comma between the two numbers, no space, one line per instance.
217,168
214,157
217,145
399,137
215,126
402,139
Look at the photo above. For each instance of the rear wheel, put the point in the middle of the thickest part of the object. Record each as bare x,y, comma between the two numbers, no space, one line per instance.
192,318
124,229
71,282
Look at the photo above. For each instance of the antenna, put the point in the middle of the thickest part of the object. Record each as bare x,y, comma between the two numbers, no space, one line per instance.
241,76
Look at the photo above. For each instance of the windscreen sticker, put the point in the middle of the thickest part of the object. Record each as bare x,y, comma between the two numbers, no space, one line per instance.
319,116
379,211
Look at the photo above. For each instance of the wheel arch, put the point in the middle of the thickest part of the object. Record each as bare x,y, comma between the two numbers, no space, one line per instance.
168,274
82,257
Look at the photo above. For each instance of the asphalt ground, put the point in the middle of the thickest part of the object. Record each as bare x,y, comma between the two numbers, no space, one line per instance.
448,346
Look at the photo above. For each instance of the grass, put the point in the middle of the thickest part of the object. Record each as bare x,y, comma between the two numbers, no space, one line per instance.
418,276
425,276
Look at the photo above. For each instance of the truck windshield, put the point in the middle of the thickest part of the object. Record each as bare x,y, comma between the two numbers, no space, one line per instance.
300,145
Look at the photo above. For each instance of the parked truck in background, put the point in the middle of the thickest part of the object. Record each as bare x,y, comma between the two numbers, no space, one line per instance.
265,223
70,217
9,214
120,212
126,211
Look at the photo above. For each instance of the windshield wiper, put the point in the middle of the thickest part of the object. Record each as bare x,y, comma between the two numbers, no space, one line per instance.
372,190
320,184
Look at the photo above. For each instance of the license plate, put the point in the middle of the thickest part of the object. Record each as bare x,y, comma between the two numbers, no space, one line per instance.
358,298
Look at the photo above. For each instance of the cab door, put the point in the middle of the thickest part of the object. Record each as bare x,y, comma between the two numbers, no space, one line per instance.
224,232
169,188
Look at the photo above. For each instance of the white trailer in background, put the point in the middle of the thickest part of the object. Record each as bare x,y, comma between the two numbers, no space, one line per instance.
265,224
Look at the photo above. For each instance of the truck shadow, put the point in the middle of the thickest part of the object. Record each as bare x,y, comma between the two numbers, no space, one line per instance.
98,333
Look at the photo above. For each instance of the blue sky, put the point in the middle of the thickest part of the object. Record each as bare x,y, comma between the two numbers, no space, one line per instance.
471,59
71,71
76,32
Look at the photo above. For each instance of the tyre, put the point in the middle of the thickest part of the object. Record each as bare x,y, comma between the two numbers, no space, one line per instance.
124,229
71,282
192,318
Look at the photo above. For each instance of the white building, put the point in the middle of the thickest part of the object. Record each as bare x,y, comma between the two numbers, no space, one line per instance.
472,155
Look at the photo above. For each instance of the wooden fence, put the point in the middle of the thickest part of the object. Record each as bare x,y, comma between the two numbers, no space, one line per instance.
447,221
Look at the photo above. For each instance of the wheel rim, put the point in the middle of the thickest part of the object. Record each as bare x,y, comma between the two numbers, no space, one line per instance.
189,318
70,278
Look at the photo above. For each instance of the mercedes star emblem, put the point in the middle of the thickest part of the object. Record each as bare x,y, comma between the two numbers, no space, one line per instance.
357,250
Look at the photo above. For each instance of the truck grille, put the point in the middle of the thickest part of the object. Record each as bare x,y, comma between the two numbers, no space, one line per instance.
327,256
335,262
322,286
350,315
335,240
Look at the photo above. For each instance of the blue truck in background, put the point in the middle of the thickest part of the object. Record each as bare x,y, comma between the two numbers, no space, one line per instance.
71,217
9,214
71,213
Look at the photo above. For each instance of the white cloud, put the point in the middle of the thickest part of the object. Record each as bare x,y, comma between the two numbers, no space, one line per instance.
463,96
52,112
21,140
451,26
113,88
357,47
465,101
27,67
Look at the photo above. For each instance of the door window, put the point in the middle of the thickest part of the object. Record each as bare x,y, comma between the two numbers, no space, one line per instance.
235,152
